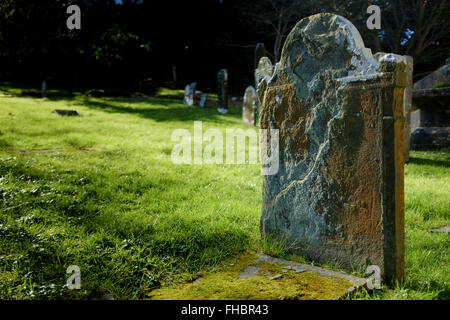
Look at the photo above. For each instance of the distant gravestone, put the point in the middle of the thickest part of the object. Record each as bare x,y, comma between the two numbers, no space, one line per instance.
189,92
264,70
338,194
260,51
222,83
72,113
249,106
44,89
202,100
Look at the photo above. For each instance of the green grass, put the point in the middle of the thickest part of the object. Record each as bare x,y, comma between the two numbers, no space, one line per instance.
131,219
13,88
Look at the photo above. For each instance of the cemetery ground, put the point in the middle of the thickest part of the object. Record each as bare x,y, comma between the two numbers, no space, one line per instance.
102,193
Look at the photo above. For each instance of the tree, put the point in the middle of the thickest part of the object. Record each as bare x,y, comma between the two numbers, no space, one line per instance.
279,16
419,28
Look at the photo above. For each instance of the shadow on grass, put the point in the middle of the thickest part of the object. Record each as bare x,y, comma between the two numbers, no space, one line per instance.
80,209
170,110
429,162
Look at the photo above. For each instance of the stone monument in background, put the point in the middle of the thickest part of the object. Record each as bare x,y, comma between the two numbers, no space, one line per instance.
222,84
338,193
202,101
189,92
260,51
265,71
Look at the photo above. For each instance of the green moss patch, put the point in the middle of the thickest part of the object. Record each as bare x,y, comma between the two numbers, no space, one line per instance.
230,282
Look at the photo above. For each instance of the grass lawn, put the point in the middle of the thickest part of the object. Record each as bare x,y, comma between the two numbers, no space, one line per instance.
131,219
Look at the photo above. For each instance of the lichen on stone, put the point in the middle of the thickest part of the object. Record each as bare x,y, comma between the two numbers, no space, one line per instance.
225,283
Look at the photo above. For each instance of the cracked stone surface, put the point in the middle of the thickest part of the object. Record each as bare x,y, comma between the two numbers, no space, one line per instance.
338,194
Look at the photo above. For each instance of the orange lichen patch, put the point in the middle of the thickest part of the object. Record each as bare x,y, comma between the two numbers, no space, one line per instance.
399,187
357,171
226,285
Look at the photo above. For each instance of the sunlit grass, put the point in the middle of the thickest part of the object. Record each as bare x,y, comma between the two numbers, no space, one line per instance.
111,201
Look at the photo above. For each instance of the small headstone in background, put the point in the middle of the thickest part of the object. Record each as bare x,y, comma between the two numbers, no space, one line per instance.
44,89
249,106
222,84
338,194
264,70
202,100
189,92
260,51
67,113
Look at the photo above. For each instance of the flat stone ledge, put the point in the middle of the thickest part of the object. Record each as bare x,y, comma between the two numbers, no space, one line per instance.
255,276
357,282
441,230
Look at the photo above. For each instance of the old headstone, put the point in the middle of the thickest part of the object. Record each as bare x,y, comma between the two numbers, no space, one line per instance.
222,83
264,70
260,51
338,193
407,101
249,106
202,100
44,89
189,92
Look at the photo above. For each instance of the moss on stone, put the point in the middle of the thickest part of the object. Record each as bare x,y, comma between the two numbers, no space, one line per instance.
226,285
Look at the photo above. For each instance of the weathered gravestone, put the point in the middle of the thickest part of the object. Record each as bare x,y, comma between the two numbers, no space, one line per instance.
338,193
189,92
407,101
260,51
44,89
222,83
264,70
249,106
202,101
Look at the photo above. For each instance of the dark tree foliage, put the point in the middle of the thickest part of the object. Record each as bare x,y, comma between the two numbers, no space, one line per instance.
120,45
